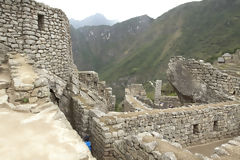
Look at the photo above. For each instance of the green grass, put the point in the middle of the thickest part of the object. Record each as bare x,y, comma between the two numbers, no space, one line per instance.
208,29
200,30
150,90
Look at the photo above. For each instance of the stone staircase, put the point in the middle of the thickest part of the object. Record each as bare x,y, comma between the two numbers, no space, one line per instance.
32,127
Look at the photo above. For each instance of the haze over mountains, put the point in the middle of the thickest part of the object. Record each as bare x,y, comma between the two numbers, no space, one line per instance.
94,20
138,50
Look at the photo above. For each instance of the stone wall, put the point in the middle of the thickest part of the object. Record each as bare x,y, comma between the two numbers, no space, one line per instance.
83,110
136,90
81,117
39,31
167,102
25,103
136,98
158,90
186,125
196,81
150,146
132,104
91,79
42,34
27,85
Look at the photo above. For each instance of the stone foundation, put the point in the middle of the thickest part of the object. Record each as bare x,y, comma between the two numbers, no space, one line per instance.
187,126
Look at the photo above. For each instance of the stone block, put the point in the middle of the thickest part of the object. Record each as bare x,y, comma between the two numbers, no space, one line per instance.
169,156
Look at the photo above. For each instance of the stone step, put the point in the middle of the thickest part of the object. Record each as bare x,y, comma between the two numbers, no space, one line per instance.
5,79
46,107
4,84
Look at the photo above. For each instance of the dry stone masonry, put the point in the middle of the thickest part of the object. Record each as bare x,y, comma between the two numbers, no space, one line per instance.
36,58
90,78
185,125
158,90
151,146
136,99
26,110
41,87
42,33
39,31
195,81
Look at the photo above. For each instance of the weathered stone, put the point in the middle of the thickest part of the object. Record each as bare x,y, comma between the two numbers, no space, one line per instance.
149,147
19,86
41,92
190,86
40,82
157,155
233,142
158,90
169,156
4,84
220,151
157,135
33,99
202,157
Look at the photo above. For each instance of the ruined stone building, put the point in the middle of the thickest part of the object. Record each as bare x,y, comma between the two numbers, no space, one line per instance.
47,106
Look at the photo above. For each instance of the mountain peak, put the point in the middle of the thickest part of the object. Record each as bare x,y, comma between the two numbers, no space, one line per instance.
94,20
99,15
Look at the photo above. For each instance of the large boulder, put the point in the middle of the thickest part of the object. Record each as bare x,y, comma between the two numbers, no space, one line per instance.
189,87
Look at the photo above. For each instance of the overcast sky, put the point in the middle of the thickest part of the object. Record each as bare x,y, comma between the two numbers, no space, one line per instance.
114,9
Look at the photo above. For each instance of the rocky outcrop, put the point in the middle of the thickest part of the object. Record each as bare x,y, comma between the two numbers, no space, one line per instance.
198,82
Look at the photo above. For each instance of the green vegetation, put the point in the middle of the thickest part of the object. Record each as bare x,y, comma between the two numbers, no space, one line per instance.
118,107
25,100
96,46
150,90
168,90
200,30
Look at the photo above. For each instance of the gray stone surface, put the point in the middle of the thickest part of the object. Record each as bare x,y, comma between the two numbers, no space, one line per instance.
169,156
158,91
20,32
199,82
177,125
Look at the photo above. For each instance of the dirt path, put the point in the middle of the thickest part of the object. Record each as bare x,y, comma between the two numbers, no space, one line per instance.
207,149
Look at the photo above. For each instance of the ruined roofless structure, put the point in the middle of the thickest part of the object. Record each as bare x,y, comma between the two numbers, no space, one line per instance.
55,106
